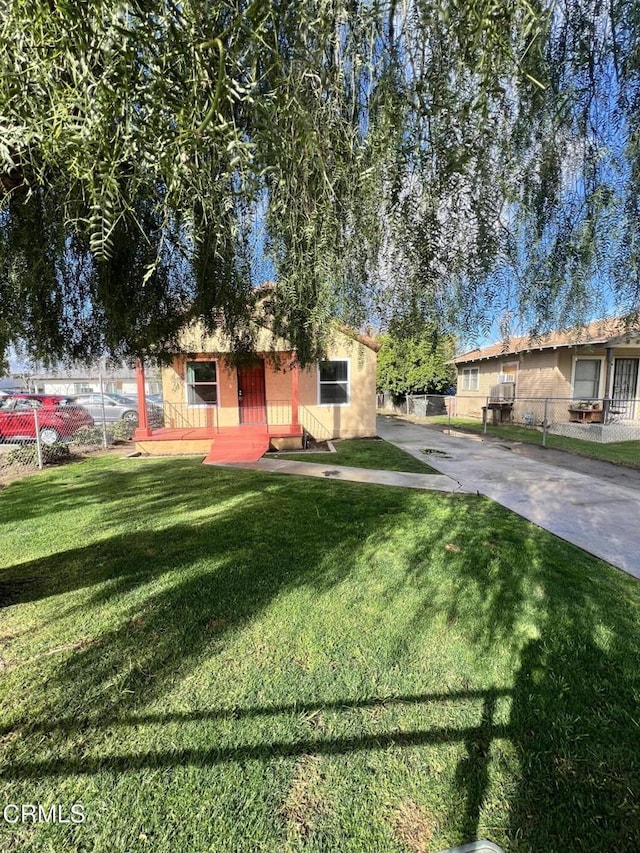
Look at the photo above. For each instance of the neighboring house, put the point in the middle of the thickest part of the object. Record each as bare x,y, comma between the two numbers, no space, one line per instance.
235,411
86,380
597,367
11,383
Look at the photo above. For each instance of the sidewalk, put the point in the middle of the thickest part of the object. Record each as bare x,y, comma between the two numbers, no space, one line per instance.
429,482
599,514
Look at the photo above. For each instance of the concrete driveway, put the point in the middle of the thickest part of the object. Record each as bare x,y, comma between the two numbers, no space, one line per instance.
591,510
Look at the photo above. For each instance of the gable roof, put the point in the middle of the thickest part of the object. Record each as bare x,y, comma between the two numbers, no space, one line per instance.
597,332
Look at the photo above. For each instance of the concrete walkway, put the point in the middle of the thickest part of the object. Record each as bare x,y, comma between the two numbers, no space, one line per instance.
430,482
590,510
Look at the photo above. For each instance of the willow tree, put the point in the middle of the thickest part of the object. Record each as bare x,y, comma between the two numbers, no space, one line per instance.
380,144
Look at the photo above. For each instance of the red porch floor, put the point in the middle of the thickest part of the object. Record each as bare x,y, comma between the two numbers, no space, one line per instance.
243,443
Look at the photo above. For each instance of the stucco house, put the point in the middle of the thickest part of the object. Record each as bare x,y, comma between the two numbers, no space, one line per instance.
588,376
234,410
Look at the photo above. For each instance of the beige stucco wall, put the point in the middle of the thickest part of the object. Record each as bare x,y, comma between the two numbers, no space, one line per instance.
357,419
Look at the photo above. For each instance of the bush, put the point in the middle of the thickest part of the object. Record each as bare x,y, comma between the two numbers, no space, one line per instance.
26,455
90,435
122,430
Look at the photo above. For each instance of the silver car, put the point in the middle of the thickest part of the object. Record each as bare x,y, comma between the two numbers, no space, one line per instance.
116,407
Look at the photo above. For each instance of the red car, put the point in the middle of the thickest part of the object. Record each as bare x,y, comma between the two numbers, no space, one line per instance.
58,417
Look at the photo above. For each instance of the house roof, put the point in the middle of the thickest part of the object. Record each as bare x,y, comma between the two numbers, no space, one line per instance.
597,332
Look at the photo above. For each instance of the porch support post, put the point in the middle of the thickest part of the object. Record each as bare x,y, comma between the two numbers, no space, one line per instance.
142,430
295,378
608,385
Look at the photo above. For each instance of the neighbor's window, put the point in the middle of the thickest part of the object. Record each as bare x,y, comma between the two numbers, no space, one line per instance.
470,378
334,383
202,383
586,380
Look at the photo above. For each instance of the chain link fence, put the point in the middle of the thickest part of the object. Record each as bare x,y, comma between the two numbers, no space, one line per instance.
36,432
602,420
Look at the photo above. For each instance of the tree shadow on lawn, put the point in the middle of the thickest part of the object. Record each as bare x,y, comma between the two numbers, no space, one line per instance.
575,624
575,679
108,486
576,728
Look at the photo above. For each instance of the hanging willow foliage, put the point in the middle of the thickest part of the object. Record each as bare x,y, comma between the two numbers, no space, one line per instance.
399,155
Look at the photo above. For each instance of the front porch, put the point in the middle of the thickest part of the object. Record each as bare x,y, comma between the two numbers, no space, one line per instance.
226,416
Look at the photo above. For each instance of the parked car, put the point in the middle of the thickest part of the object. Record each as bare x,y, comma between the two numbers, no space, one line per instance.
58,418
116,407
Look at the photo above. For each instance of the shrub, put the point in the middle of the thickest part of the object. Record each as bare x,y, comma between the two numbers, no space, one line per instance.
90,435
122,430
27,455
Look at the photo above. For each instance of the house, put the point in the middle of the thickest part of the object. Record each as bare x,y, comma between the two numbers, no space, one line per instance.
235,410
88,379
588,376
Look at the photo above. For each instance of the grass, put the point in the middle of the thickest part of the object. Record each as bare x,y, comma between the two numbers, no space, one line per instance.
221,660
620,452
366,453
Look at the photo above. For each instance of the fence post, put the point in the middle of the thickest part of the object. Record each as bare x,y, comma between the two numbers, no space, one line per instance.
36,423
485,416
407,401
104,416
544,423
449,407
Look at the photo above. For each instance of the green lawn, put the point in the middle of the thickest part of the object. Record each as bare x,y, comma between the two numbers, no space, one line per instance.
365,453
219,660
620,452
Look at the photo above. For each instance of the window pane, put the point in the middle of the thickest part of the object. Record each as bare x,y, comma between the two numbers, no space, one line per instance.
202,395
470,379
587,378
333,371
201,371
587,369
335,393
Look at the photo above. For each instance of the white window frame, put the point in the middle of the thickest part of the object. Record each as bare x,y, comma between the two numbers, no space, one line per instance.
467,373
601,381
187,384
320,383
515,364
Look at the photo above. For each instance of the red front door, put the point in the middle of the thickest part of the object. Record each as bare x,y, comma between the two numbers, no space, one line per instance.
251,393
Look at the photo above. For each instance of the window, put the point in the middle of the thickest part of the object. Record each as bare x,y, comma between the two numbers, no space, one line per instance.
82,388
470,378
586,378
202,383
334,383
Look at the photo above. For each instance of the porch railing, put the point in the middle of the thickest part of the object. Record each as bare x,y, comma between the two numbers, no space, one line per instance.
313,426
183,416
274,413
278,412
